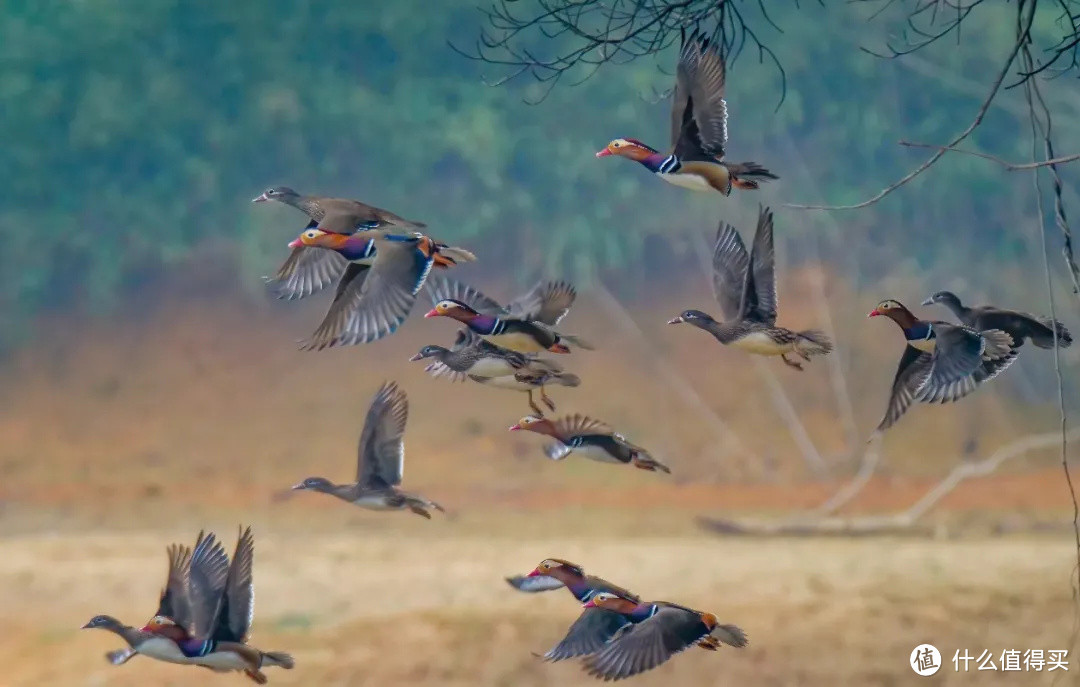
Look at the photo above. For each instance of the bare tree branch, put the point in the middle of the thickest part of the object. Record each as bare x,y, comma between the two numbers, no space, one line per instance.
905,521
1010,166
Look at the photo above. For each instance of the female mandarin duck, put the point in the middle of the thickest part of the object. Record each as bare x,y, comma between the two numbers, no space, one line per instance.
380,460
526,325
379,285
745,286
307,271
1018,325
221,603
942,362
473,358
698,129
655,632
591,438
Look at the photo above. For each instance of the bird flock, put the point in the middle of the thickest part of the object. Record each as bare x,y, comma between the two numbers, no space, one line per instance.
381,262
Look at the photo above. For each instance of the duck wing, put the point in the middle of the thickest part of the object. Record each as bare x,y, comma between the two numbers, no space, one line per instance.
547,302
1020,325
964,358
307,270
343,216
340,319
575,425
381,454
535,583
236,609
732,276
207,574
644,646
173,601
761,282
588,634
911,375
444,288
699,111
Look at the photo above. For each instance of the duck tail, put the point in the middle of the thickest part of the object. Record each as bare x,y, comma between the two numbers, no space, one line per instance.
748,175
813,342
644,461
577,341
999,344
277,658
1046,339
256,676
447,256
732,635
566,379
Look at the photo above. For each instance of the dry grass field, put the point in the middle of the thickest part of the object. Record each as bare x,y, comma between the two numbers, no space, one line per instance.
118,436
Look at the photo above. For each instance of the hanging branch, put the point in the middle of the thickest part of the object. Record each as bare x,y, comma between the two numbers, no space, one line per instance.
1009,166
579,37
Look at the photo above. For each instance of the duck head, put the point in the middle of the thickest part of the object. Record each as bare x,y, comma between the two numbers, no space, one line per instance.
320,484
448,307
429,352
277,193
611,602
947,298
533,423
895,311
694,317
627,147
557,568
103,622
319,239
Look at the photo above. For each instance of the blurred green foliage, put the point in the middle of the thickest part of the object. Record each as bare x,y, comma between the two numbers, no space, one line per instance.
134,130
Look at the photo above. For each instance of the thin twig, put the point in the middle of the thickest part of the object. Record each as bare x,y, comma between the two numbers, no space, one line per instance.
1020,40
1010,166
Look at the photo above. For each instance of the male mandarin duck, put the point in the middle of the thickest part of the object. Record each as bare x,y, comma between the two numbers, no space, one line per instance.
379,285
221,604
942,362
745,286
173,599
307,271
380,460
1018,325
473,358
698,129
656,631
556,573
591,438
206,609
526,325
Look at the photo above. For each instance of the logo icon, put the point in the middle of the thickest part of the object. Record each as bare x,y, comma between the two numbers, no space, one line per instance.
925,659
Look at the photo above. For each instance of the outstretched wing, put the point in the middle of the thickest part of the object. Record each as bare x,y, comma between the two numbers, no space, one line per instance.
646,645
534,583
547,302
174,600
590,632
699,111
762,267
237,608
574,425
381,454
206,584
443,288
911,374
731,271
306,271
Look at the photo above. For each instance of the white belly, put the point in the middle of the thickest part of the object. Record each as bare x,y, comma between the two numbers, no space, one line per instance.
491,367
690,181
375,503
516,342
163,650
761,343
506,382
223,660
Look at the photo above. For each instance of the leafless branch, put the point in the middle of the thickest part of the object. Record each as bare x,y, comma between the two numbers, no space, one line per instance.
905,521
1010,166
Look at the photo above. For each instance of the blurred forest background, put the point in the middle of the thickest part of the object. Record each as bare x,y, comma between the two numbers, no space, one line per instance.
149,386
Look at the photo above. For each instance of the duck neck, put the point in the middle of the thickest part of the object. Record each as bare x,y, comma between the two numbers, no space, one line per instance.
305,204
483,324
133,636
724,332
356,248
902,317
953,303
641,612
660,163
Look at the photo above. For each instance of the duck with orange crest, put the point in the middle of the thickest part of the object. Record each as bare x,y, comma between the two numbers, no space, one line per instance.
520,334
652,633
378,288
698,129
591,438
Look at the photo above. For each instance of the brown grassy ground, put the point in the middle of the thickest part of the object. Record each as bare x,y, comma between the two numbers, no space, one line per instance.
119,435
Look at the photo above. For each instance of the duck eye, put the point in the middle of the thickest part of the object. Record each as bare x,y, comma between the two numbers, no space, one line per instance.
616,144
